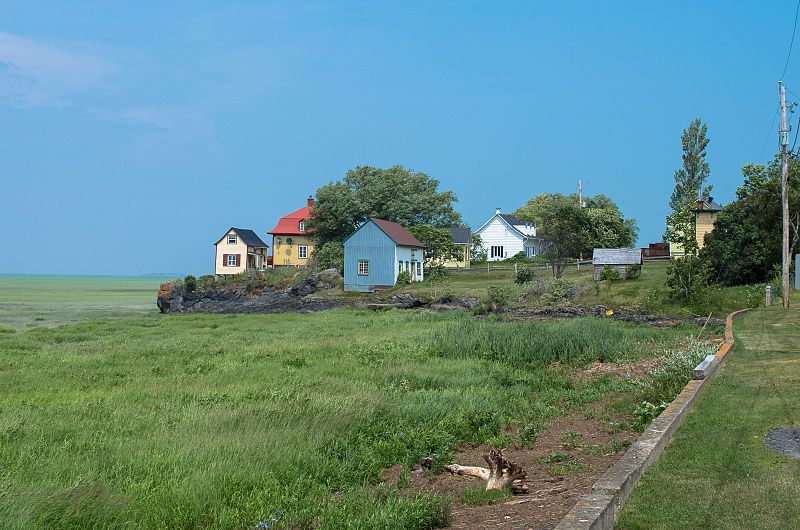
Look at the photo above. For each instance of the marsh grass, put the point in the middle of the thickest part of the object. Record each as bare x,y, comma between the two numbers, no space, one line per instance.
217,421
576,341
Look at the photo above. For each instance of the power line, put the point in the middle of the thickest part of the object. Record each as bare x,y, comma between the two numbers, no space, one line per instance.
769,132
791,43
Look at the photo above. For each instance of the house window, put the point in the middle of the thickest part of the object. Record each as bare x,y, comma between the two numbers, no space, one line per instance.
496,252
302,251
363,267
231,239
231,260
400,266
419,269
302,226
408,266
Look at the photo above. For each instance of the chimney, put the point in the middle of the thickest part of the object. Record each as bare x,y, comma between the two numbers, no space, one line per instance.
310,200
497,210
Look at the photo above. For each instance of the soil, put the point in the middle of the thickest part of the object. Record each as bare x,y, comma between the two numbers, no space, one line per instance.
553,487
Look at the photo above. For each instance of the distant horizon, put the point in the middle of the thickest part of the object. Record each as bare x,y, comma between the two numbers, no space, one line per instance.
143,131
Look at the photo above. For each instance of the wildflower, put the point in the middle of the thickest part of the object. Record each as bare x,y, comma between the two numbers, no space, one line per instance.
273,519
402,434
278,510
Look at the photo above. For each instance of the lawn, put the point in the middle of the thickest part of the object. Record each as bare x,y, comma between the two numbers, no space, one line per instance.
717,472
225,421
27,301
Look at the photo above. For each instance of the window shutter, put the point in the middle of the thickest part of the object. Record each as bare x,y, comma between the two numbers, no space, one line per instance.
224,260
238,263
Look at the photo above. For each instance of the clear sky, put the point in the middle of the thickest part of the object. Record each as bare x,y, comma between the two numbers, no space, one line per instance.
134,134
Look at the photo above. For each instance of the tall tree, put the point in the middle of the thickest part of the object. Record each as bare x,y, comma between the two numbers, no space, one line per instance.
745,245
567,233
396,194
439,245
690,179
607,227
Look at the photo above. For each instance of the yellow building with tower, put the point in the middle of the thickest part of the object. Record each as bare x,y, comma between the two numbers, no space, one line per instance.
705,214
292,244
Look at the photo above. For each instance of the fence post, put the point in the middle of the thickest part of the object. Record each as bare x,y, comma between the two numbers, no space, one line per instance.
515,268
768,296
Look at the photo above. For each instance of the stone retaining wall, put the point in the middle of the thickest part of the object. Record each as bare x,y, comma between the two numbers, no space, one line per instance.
599,509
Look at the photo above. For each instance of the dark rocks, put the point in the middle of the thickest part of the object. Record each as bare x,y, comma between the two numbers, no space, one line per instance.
241,299
784,441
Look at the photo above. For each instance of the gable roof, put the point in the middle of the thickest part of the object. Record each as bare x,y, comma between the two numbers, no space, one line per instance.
290,224
249,237
617,256
505,218
398,233
461,235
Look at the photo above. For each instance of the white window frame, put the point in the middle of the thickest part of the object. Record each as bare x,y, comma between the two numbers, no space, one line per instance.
232,239
362,267
419,268
231,260
499,253
302,226
302,251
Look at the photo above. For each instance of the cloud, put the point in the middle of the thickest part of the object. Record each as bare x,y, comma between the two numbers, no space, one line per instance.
159,116
33,74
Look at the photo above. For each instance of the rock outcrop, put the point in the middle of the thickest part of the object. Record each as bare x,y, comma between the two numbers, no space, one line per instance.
233,298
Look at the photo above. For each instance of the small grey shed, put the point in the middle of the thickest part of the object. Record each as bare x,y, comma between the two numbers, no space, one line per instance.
616,258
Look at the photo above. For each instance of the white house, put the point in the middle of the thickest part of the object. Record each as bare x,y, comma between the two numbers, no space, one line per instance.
503,236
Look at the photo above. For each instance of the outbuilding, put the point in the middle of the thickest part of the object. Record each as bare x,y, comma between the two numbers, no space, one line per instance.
619,259
377,252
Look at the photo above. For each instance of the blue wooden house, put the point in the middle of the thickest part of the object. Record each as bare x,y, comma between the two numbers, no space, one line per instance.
377,252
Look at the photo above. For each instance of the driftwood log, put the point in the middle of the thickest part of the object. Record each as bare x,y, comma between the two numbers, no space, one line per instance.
501,472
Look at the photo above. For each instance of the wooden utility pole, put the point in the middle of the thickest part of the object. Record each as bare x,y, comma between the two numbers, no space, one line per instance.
784,141
580,194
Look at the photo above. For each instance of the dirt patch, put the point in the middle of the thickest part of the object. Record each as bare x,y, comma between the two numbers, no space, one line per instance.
635,370
566,459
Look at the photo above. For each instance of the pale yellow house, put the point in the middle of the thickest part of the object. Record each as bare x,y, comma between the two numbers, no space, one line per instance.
239,250
462,237
705,214
292,244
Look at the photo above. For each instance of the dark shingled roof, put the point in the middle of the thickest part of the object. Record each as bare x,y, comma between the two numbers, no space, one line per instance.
510,219
398,233
461,235
248,236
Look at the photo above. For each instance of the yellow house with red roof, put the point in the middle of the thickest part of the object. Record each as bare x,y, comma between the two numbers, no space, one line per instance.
292,244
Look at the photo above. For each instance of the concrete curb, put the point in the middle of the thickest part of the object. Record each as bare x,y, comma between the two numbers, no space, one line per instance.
599,509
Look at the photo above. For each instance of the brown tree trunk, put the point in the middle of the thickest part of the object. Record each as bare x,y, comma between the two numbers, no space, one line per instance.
501,472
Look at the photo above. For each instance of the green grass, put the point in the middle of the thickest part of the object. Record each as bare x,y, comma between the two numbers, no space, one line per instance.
478,495
717,473
648,293
216,421
28,301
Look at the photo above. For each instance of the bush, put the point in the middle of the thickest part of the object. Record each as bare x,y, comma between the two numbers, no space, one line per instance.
497,297
330,255
403,278
609,274
206,282
437,272
634,271
666,381
525,275
687,277
190,283
562,290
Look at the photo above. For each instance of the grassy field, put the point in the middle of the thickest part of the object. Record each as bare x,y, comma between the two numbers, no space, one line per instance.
717,473
27,301
647,293
226,421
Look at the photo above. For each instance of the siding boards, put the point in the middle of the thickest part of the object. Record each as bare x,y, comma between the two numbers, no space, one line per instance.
369,243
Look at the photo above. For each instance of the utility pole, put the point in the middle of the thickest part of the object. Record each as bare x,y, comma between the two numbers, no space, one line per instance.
784,141
580,194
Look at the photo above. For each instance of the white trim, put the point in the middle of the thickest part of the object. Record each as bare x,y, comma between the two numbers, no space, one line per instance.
235,239
302,251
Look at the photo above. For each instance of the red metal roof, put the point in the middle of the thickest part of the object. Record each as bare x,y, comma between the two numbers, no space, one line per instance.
398,233
290,224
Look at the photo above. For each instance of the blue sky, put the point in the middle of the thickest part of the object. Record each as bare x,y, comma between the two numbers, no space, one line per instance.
134,134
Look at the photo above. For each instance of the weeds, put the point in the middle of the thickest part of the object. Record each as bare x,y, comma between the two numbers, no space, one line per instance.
478,495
